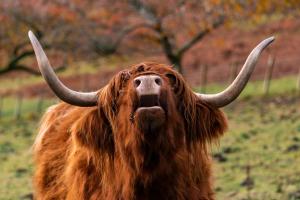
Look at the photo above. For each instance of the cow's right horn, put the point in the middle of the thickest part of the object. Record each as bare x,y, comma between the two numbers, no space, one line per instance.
232,92
70,96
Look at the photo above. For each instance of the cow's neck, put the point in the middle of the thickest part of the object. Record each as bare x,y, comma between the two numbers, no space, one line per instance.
158,173
160,187
150,185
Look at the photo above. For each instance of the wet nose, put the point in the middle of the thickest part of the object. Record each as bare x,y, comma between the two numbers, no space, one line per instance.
148,85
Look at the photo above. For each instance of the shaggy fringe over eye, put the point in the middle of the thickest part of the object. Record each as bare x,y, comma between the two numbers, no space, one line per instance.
108,95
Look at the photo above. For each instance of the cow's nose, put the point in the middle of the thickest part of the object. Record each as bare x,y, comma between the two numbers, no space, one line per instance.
148,85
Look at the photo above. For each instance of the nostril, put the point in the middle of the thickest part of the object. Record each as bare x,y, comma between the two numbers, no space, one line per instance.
158,81
137,82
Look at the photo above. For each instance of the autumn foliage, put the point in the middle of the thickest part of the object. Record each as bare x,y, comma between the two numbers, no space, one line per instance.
104,27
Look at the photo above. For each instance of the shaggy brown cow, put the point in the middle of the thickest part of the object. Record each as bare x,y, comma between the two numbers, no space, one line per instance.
145,135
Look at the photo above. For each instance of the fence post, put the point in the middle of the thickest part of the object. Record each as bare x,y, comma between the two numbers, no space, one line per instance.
56,100
204,70
40,104
233,71
250,182
268,75
85,82
1,105
298,82
18,107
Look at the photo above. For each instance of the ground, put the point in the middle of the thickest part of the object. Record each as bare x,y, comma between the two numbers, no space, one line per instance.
259,156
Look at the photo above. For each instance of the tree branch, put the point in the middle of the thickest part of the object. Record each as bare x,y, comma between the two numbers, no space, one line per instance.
19,47
14,66
17,59
103,47
199,36
131,29
26,69
144,10
18,68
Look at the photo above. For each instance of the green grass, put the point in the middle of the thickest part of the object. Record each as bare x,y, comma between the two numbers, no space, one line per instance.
16,138
254,89
263,135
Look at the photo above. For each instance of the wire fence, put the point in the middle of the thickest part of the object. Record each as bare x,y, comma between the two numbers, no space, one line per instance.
271,64
17,106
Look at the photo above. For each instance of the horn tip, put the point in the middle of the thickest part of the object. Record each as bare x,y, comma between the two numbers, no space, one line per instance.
31,35
265,43
270,39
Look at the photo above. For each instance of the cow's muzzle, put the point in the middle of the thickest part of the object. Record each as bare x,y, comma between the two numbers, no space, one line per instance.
148,90
150,111
148,85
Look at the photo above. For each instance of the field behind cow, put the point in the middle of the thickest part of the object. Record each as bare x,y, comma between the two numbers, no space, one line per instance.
258,158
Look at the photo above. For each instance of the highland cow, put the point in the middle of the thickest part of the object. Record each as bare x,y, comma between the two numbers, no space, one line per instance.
145,135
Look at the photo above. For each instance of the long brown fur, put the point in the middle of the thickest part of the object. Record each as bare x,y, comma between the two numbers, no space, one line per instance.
103,153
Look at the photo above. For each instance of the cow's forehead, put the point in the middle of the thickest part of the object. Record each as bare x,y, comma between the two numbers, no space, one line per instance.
150,67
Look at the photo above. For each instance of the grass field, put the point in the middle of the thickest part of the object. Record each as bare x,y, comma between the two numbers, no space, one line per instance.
258,158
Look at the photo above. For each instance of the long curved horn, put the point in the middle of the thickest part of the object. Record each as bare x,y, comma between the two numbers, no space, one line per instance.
70,96
233,91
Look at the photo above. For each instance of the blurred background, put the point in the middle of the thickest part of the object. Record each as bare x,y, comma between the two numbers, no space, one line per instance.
207,41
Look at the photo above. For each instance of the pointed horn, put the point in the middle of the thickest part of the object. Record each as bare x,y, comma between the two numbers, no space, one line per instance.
233,91
70,96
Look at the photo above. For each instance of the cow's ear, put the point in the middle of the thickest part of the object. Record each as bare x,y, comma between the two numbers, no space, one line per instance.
93,130
205,124
212,121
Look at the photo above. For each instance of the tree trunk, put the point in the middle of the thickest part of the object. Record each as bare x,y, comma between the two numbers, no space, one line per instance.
177,63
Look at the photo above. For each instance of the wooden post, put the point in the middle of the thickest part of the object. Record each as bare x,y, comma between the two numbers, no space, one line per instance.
268,75
1,104
298,82
40,104
233,72
85,82
18,109
249,180
204,70
56,100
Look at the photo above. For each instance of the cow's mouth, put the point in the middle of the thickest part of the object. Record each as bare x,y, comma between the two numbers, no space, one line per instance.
149,103
150,113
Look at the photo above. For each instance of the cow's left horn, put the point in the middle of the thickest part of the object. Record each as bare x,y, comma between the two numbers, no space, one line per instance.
70,96
232,92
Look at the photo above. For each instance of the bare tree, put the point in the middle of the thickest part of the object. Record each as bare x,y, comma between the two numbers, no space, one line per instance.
13,37
166,38
165,23
89,29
